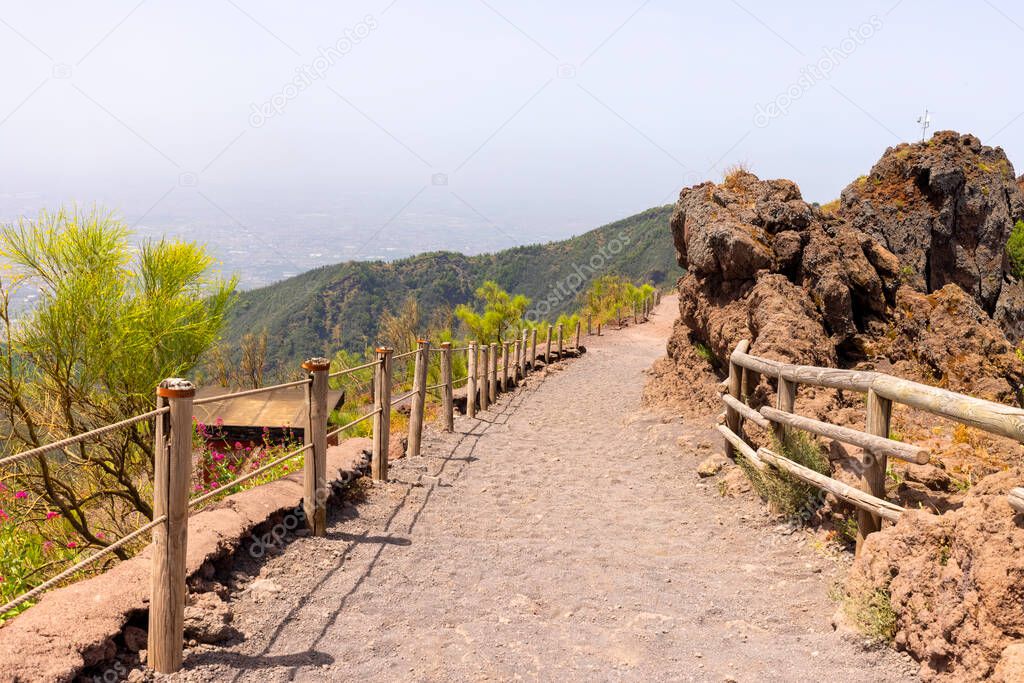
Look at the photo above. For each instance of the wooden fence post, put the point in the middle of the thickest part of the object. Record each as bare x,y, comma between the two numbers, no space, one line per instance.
735,384
419,397
635,320
506,358
598,328
579,327
878,420
785,400
590,324
382,416
517,367
172,476
547,348
533,349
524,346
471,364
447,391
561,333
314,462
492,372
484,376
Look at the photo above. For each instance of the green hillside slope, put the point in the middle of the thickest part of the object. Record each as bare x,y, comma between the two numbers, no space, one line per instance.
338,306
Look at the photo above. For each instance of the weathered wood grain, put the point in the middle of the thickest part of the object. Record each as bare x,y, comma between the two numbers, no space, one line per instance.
862,500
879,444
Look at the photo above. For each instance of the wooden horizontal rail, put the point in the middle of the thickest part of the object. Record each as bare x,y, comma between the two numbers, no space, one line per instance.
877,444
989,416
976,412
740,445
746,411
1016,497
856,497
834,378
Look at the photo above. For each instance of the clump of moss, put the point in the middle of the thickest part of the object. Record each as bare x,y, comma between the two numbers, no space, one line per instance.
1015,250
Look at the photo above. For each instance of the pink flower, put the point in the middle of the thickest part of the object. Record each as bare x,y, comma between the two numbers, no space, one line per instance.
72,544
100,535
218,456
50,515
238,445
219,422
3,516
21,494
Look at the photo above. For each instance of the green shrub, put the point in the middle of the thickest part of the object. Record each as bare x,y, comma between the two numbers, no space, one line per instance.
705,353
871,610
788,495
1015,250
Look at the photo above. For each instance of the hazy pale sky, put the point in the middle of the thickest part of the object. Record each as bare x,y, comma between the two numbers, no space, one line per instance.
529,118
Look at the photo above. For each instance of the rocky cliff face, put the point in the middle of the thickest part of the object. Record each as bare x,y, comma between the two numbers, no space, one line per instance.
846,286
906,273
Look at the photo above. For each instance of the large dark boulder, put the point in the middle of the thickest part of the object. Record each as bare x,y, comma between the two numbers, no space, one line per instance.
945,208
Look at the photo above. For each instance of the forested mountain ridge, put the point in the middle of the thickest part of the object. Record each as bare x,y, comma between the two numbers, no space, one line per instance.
339,306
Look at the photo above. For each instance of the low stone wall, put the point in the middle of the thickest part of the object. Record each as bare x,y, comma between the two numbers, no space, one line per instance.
75,627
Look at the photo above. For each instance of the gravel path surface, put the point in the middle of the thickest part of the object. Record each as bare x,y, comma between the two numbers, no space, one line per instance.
563,536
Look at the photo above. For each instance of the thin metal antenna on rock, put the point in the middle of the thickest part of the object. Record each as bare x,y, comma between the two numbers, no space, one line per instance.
924,121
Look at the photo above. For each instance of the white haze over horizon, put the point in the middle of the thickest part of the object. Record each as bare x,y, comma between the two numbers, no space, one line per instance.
470,124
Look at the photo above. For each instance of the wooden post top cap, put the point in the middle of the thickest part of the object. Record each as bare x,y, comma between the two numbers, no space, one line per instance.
316,363
446,345
422,341
383,349
175,387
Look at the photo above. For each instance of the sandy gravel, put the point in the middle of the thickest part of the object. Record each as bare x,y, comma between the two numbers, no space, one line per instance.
564,536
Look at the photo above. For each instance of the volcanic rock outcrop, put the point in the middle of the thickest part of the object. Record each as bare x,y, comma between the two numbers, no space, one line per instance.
907,273
848,285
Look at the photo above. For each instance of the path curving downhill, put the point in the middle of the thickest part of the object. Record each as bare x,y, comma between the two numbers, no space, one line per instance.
563,536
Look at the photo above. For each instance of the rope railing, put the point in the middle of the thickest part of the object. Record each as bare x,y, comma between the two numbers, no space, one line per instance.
347,371
248,392
353,423
72,440
79,566
174,457
403,397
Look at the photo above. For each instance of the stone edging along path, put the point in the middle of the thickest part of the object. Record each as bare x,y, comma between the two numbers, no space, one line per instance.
79,626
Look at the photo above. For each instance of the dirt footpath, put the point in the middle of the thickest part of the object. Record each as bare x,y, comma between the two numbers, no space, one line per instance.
563,536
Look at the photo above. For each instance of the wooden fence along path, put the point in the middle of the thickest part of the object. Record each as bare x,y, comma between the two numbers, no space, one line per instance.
173,456
881,391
